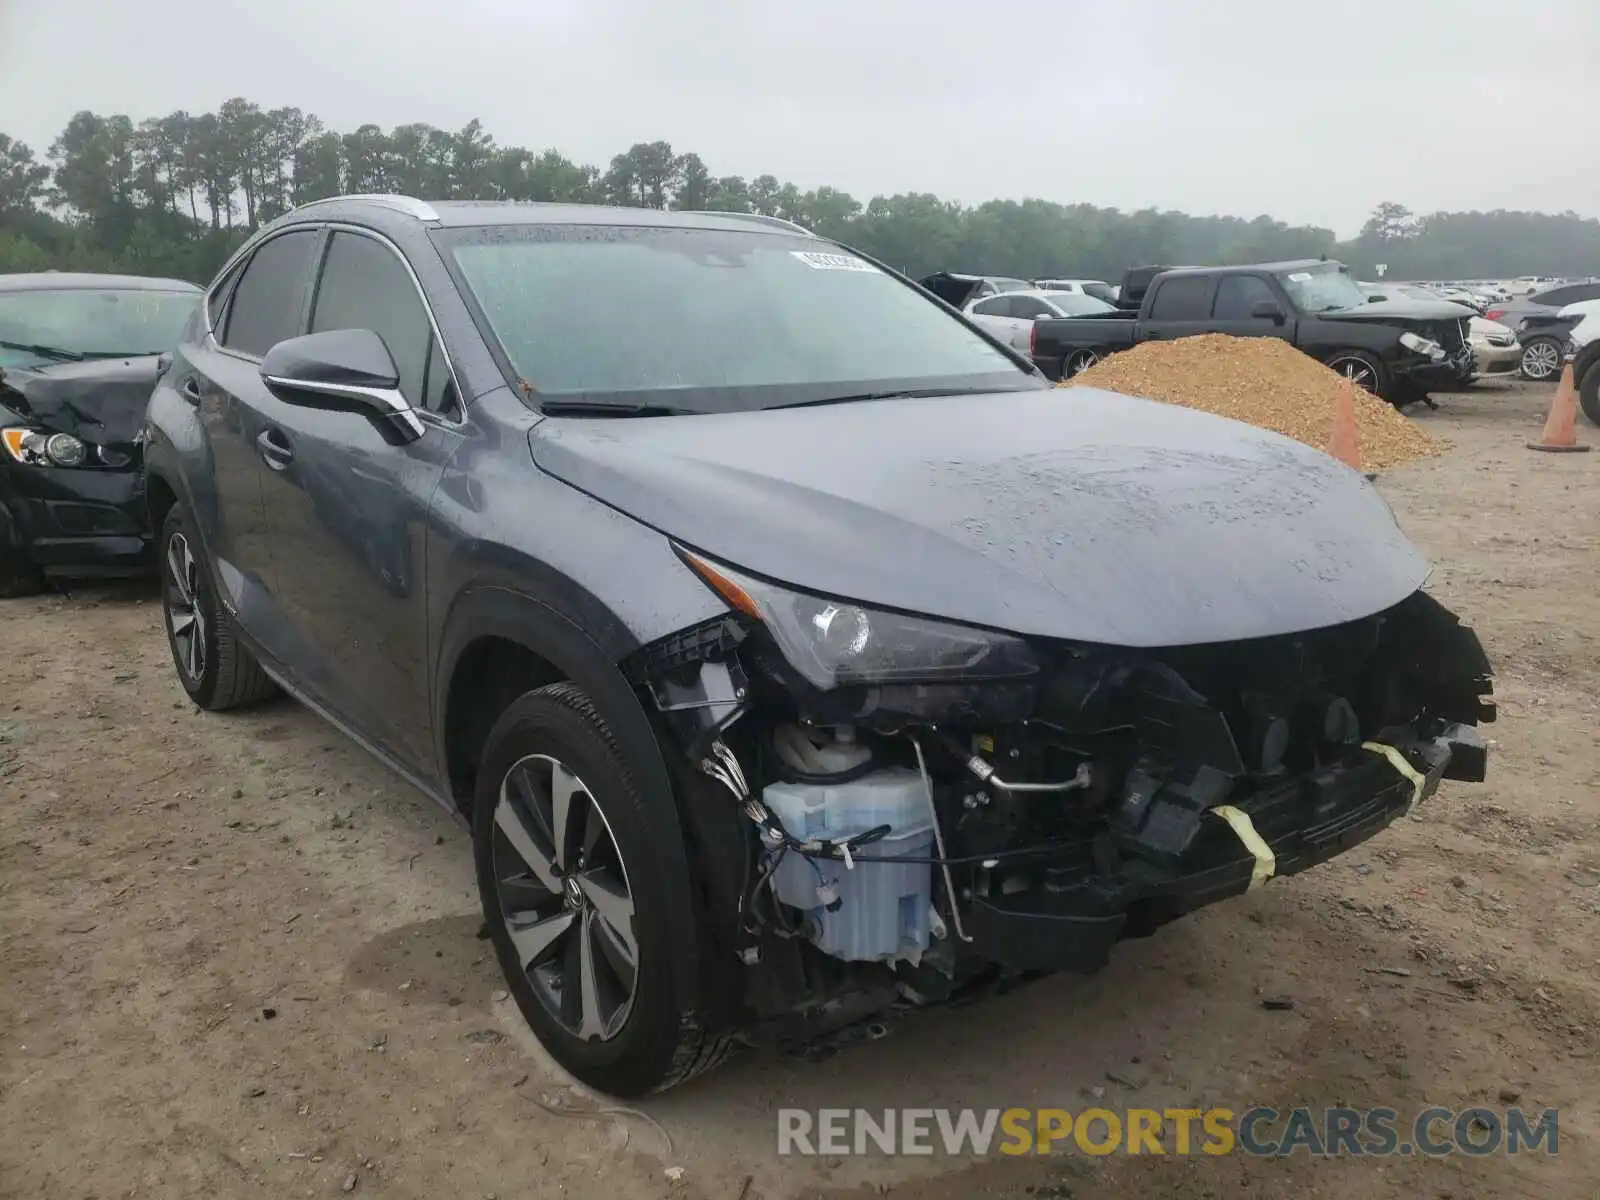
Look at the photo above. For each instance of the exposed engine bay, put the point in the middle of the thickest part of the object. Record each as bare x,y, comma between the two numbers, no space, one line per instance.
905,839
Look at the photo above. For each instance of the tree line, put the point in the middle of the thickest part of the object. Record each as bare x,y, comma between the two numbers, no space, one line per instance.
174,195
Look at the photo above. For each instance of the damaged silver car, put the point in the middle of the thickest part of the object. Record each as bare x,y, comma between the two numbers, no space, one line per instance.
793,650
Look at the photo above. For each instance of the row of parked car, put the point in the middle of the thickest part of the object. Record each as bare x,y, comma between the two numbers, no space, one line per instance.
1499,333
761,616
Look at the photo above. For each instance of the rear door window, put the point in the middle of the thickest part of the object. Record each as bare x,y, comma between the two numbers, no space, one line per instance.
265,306
1027,307
1182,298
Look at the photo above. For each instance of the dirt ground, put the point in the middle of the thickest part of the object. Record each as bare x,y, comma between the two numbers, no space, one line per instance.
237,958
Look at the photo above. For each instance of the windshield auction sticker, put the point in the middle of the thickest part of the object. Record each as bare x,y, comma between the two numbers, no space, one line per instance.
834,262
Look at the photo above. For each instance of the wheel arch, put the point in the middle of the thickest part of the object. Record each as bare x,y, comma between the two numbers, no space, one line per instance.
509,639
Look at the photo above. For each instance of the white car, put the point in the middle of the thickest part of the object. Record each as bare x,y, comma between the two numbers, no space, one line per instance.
1098,288
1010,316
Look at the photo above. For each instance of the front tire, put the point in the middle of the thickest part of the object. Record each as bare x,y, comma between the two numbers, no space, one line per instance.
1541,359
214,667
1589,393
18,575
1363,370
576,901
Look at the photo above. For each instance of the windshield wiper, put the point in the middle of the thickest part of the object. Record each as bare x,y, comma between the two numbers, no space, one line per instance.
55,352
600,408
889,394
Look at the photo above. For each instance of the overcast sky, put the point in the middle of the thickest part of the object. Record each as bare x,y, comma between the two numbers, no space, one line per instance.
1309,110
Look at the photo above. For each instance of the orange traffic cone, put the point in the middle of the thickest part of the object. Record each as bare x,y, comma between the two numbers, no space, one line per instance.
1560,427
1345,443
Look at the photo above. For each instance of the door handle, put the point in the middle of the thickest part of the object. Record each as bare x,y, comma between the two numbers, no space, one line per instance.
190,389
275,449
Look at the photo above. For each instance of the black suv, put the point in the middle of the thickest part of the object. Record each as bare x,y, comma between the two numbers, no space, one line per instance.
792,648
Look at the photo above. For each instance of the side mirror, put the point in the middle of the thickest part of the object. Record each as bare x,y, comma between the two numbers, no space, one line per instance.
1269,310
1043,316
349,370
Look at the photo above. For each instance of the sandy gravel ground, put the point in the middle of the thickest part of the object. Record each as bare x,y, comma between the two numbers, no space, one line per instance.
239,959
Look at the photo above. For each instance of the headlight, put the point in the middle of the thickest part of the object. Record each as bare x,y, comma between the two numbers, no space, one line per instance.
834,643
1422,345
35,448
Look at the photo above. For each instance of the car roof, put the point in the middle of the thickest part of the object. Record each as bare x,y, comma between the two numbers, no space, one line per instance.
466,214
1298,264
60,281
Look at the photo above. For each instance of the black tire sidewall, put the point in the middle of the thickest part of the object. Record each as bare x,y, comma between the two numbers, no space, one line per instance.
201,690
19,575
640,1057
1589,393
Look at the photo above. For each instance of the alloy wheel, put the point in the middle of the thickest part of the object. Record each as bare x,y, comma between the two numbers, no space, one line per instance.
1357,372
1081,362
1541,360
184,618
564,898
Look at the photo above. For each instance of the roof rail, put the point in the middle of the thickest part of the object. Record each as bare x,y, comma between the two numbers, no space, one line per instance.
409,205
763,218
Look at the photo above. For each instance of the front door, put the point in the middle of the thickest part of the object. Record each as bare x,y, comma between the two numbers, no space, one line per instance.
221,378
347,505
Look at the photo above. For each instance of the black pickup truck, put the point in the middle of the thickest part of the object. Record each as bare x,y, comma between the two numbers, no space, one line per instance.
1399,350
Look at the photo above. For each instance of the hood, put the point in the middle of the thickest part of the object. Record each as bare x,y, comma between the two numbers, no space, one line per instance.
1401,311
101,401
1081,514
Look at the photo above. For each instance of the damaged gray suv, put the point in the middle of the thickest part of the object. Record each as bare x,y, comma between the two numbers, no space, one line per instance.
794,651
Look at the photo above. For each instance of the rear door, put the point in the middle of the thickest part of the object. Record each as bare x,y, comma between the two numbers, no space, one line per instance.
261,303
347,507
1180,305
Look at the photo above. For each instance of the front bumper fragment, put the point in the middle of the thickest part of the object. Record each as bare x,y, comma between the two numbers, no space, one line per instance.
1075,916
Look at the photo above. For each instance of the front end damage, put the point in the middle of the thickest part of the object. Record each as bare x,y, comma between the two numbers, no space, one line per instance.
862,843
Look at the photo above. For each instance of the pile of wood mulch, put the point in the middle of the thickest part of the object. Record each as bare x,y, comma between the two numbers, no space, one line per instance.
1265,382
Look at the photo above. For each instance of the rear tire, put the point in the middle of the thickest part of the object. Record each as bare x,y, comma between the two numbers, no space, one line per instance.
214,666
1541,359
584,894
1078,362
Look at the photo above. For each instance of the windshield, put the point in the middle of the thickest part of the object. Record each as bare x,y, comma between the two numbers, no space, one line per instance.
704,320
1076,304
91,322
1322,288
